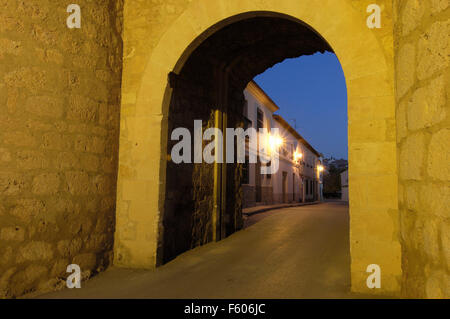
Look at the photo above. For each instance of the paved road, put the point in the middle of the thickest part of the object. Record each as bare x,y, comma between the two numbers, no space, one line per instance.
299,252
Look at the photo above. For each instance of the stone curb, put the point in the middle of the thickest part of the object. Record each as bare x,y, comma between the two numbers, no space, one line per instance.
265,209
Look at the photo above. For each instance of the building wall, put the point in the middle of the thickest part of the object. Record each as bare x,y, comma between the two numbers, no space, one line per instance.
287,165
308,167
59,125
344,186
344,194
423,139
272,187
290,196
248,196
253,104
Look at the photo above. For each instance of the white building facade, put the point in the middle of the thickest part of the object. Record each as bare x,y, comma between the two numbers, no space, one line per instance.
344,186
298,178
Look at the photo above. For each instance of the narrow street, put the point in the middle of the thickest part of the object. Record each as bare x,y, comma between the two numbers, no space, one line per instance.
297,252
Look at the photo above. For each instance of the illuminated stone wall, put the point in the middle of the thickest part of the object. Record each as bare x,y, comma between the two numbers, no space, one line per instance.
159,38
59,125
423,138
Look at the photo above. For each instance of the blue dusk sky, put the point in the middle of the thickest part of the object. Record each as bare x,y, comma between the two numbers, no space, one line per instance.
311,90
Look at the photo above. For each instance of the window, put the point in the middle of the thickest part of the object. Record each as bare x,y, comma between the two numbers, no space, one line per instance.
246,108
260,119
259,124
269,176
284,150
247,122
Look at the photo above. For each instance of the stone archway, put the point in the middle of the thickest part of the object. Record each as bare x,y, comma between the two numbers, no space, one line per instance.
367,60
203,201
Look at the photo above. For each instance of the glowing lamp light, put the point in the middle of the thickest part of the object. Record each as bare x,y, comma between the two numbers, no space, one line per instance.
320,168
278,141
298,156
275,142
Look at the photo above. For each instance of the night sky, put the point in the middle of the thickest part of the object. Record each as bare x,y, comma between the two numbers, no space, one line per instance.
312,90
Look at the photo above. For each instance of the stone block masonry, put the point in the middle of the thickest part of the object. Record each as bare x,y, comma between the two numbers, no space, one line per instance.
61,94
59,128
423,138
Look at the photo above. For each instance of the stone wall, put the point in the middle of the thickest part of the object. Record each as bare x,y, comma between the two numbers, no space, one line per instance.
249,196
267,195
423,137
188,208
59,100
59,125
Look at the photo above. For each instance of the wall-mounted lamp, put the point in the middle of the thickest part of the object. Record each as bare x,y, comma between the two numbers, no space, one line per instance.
298,156
275,142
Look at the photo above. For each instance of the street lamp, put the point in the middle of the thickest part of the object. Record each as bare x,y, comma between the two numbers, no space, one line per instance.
320,169
275,142
297,156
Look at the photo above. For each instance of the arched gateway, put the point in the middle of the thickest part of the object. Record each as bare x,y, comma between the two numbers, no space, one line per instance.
152,83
